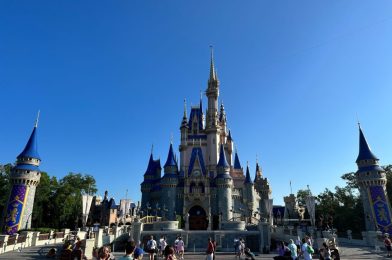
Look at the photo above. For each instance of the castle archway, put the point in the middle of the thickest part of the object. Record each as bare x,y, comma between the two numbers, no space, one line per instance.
197,218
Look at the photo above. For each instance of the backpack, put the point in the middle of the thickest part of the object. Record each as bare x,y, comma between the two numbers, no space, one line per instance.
310,250
149,245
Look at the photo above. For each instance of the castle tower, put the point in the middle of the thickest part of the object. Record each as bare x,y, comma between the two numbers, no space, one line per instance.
25,177
169,185
372,182
212,126
150,183
248,192
224,184
262,187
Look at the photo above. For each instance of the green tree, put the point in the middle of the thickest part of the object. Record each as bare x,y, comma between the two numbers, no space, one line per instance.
5,183
43,211
5,186
68,198
302,195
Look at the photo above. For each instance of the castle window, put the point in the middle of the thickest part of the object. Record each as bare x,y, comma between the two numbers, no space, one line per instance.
191,187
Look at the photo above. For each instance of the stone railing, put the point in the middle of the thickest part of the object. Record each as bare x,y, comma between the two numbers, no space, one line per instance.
150,219
29,238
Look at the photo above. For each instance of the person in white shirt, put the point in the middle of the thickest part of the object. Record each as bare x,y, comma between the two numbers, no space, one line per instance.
151,247
162,245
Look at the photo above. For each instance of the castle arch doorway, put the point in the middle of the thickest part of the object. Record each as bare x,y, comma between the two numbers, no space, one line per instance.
197,218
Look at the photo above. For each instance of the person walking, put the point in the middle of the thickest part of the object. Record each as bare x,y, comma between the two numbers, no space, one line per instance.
162,245
306,250
293,249
151,247
210,250
180,248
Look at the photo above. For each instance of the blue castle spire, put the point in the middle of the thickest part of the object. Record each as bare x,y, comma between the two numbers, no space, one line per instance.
237,164
258,174
171,159
31,148
222,158
364,150
247,177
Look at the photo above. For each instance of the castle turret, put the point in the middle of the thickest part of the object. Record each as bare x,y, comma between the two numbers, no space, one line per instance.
372,182
262,187
25,177
169,185
212,126
224,185
152,177
248,191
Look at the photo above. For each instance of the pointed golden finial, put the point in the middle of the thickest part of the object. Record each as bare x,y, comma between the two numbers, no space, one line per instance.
37,119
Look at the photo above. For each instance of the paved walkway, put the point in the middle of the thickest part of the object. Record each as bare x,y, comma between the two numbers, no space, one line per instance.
350,253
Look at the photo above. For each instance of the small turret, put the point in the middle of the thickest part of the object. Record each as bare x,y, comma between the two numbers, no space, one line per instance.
248,180
224,183
169,184
237,164
171,160
372,182
223,166
25,177
259,173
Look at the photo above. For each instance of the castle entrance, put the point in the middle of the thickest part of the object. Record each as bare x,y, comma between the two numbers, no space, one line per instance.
197,218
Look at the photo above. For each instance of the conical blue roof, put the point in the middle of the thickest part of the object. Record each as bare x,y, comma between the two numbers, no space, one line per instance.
247,177
171,159
237,164
257,170
31,148
153,165
222,158
364,150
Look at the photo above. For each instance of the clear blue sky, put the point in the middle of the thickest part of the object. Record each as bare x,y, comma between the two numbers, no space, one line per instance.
110,77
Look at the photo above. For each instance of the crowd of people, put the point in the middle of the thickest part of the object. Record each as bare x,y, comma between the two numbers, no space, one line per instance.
302,249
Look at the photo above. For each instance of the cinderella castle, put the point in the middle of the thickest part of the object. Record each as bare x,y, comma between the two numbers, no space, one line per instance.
207,184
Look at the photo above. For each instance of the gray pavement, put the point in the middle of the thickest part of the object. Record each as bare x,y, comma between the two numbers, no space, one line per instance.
351,253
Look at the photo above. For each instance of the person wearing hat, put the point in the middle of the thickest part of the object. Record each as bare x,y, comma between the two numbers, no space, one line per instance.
138,254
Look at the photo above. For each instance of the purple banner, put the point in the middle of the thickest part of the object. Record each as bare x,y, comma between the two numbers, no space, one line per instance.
380,208
15,208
